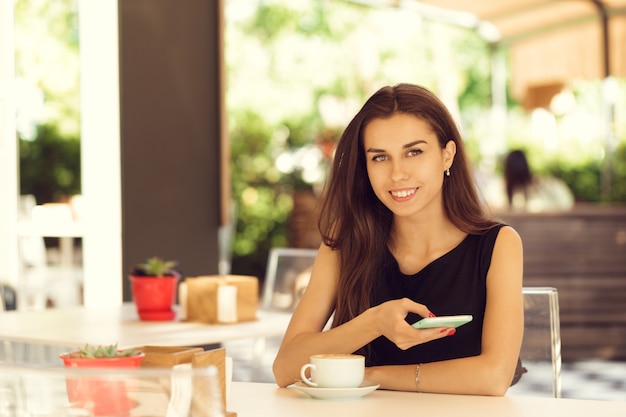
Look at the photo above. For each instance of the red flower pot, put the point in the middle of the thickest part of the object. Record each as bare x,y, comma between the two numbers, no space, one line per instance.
101,396
154,296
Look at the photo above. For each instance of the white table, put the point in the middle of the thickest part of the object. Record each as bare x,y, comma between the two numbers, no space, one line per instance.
249,399
75,326
44,390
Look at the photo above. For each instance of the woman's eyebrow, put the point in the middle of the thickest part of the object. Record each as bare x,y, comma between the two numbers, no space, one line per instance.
405,146
411,144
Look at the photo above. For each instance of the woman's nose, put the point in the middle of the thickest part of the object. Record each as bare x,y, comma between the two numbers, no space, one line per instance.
399,171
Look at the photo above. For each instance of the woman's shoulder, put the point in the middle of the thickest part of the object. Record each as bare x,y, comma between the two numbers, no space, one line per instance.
500,232
508,237
507,232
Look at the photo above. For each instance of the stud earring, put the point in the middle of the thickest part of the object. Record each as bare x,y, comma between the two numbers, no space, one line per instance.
448,172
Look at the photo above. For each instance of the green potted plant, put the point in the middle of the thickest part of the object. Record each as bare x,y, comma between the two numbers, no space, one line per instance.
105,355
153,285
106,395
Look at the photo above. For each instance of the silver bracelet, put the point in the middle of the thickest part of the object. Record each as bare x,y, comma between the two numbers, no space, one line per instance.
417,377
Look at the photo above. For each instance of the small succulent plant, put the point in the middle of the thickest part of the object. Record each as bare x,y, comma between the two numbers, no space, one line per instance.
103,351
155,267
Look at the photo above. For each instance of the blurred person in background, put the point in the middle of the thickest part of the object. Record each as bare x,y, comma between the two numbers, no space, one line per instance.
528,192
520,190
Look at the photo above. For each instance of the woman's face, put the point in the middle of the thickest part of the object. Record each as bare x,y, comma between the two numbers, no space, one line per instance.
405,163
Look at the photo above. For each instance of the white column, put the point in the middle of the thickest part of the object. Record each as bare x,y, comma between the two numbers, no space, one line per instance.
498,104
100,152
9,174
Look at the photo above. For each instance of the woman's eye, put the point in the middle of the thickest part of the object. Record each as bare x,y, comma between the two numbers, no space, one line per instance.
414,152
379,158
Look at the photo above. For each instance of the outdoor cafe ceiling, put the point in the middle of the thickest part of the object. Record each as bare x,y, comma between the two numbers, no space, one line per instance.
550,42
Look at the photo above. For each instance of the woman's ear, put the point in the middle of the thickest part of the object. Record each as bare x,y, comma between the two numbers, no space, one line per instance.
448,153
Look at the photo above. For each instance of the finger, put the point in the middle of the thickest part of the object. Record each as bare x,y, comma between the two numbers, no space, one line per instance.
420,336
445,332
428,335
418,308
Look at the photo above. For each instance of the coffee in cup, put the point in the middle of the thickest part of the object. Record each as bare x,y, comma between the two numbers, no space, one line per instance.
334,370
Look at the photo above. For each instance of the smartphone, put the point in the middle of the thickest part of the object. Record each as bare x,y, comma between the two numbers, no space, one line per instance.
443,321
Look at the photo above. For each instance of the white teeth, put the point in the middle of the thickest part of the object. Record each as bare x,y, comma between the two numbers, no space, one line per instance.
403,193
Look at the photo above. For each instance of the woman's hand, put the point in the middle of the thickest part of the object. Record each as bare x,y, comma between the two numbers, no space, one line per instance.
391,323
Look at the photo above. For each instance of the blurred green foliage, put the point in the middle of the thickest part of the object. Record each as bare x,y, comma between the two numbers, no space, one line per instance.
50,165
286,61
47,61
586,179
279,41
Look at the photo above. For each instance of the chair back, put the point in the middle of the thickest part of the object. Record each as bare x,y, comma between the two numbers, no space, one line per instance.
8,298
541,346
287,276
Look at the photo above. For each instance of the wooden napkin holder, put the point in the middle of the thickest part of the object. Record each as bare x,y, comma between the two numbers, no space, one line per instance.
203,298
170,356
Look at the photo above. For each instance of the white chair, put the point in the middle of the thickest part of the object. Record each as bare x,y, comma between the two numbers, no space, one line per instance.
32,249
541,345
287,275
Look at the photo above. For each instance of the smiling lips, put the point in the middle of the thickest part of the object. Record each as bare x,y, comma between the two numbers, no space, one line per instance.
403,194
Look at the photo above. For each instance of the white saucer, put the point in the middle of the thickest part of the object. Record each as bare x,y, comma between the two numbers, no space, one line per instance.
335,393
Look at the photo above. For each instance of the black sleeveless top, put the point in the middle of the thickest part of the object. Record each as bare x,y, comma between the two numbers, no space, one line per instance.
453,284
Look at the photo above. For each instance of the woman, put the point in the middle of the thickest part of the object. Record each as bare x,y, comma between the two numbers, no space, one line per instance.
405,237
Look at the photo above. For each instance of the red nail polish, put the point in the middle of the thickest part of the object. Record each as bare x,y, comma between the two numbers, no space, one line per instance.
431,315
443,330
451,332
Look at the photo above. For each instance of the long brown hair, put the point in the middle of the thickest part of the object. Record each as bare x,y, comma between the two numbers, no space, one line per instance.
356,224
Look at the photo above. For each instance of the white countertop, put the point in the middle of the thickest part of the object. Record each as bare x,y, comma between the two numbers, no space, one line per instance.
267,400
164,392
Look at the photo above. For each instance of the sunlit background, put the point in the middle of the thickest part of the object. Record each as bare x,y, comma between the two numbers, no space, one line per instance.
297,71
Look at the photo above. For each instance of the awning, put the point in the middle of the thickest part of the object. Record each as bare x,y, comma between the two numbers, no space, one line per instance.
550,42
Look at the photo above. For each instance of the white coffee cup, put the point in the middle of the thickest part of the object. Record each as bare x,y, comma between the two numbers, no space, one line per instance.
334,370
